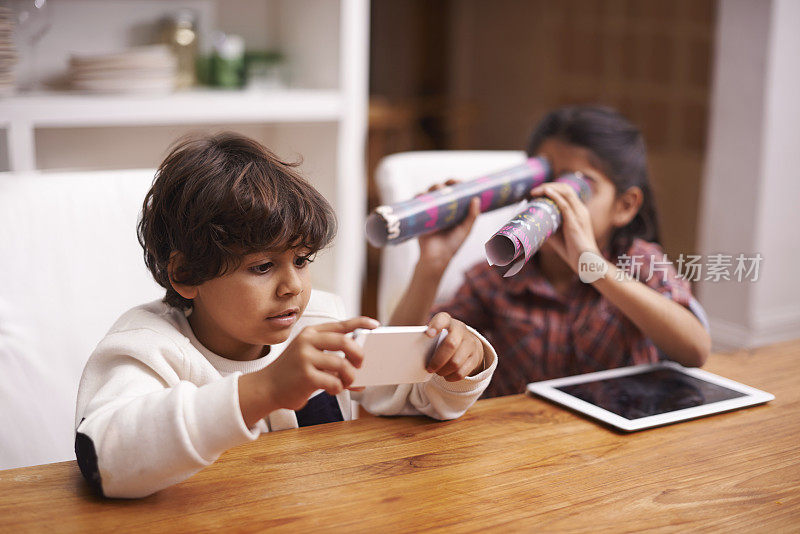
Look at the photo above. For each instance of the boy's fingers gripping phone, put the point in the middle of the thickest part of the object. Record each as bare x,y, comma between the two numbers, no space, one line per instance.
358,332
439,322
350,325
441,354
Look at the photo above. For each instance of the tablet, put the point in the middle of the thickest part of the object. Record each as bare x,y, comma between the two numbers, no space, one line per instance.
644,396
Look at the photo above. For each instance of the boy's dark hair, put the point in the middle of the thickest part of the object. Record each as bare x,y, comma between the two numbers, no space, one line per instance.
620,151
216,198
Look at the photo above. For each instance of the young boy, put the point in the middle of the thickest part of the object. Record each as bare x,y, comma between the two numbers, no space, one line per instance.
239,345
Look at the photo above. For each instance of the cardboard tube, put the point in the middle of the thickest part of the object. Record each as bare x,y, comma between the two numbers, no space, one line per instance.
516,242
446,207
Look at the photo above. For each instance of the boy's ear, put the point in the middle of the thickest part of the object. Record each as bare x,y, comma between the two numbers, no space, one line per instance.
627,206
187,291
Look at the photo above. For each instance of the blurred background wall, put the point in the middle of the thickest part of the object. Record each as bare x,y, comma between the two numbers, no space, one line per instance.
751,186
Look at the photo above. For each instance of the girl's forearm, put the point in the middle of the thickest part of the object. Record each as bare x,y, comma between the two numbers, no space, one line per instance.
417,301
673,328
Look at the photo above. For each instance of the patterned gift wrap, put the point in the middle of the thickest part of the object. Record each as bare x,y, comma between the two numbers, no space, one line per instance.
446,207
521,237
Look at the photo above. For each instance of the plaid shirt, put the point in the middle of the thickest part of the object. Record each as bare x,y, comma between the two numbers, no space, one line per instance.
540,334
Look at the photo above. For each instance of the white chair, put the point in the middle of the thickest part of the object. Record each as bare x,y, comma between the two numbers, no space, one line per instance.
400,177
70,264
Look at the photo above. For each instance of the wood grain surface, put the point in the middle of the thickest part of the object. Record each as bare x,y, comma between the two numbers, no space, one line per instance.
510,464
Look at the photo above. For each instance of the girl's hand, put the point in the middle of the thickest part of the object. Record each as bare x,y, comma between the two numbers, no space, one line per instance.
438,248
576,234
305,366
460,354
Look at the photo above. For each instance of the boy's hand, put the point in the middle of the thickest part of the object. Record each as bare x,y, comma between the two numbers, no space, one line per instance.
305,366
460,354
437,248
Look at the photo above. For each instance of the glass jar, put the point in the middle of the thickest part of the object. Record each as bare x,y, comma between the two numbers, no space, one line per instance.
181,35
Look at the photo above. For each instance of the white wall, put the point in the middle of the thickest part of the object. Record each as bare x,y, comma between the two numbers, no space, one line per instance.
752,187
777,300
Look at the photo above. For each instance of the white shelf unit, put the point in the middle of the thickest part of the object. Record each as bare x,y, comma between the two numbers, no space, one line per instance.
23,115
321,118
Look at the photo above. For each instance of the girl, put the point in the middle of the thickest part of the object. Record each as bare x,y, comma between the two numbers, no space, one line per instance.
544,321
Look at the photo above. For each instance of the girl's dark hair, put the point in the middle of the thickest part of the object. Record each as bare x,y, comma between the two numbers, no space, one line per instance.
618,147
215,199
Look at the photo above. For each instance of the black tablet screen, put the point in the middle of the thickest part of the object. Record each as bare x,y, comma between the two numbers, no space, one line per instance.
649,393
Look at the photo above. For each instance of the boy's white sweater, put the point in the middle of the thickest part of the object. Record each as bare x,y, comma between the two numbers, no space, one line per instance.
155,406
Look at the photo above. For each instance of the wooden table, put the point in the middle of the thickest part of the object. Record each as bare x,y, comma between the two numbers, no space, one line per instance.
511,463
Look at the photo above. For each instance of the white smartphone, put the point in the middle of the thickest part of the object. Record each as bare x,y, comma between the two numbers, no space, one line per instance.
395,355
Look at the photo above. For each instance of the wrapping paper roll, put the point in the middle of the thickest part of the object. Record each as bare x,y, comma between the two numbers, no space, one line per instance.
521,237
389,225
